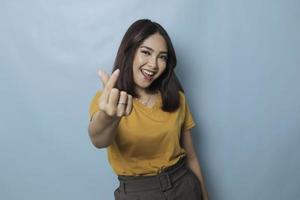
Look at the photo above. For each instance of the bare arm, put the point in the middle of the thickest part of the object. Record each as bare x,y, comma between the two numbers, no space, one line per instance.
113,105
102,130
193,162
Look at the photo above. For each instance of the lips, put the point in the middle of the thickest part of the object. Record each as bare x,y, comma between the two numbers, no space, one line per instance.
148,75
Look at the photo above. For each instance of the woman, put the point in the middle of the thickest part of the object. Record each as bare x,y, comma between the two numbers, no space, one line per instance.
141,115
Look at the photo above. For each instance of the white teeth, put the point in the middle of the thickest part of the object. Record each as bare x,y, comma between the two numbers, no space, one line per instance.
149,73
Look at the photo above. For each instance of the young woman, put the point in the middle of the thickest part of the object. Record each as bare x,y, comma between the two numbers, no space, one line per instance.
143,119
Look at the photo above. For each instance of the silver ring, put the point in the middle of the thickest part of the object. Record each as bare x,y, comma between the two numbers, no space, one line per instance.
122,103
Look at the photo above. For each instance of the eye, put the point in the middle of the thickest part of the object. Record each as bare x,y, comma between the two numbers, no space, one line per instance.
145,52
165,58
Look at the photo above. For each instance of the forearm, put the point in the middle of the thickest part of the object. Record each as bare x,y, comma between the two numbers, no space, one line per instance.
194,165
102,129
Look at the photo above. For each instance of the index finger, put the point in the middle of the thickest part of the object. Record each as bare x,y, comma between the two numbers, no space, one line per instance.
112,80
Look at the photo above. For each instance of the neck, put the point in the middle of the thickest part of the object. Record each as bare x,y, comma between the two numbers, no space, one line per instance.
143,92
145,95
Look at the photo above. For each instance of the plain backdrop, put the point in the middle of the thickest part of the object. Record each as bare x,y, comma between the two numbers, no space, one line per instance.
238,62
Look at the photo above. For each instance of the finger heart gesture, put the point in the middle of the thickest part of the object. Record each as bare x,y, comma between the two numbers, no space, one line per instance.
113,102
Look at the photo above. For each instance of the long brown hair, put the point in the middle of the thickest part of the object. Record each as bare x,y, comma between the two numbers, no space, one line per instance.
167,83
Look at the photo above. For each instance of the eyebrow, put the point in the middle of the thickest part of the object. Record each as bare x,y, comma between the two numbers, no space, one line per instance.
153,50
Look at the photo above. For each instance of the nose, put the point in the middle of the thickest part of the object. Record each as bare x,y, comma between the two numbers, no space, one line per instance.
153,62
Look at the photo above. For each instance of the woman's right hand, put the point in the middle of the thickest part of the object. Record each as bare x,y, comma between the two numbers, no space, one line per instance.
110,97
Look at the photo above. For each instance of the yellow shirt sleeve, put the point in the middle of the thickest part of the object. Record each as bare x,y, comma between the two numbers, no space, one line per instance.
188,121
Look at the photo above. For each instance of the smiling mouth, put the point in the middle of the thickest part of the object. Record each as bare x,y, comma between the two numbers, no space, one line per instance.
148,75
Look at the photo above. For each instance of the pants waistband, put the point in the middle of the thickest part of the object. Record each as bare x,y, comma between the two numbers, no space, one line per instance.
162,181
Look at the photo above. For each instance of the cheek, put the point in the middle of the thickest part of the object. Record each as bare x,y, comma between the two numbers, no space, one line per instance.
140,59
136,64
162,69
137,60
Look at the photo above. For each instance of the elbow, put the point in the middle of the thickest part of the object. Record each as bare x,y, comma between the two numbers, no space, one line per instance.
99,145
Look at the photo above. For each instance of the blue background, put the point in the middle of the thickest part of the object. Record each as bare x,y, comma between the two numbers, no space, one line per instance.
238,62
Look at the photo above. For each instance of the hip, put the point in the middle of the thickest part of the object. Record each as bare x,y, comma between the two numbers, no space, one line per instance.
175,182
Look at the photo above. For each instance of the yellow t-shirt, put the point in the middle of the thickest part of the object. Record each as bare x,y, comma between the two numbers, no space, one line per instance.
148,140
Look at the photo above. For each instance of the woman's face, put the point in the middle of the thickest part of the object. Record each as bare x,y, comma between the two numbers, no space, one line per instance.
149,61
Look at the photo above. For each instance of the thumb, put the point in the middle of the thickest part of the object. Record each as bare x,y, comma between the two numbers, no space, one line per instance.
104,77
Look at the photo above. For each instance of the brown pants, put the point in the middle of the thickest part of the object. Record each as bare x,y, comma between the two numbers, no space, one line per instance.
177,182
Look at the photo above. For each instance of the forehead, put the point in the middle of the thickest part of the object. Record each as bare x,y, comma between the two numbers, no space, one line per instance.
156,42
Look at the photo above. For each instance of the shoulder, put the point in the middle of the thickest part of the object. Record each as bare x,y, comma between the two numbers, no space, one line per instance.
97,96
98,93
182,100
182,96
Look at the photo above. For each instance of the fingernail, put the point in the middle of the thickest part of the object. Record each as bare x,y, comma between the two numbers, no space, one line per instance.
100,72
117,70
